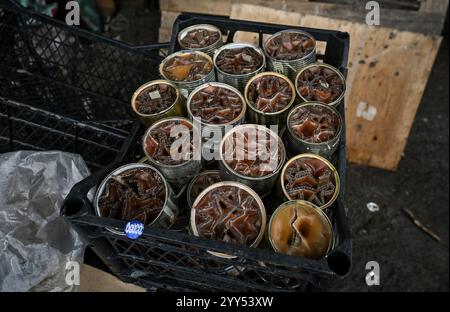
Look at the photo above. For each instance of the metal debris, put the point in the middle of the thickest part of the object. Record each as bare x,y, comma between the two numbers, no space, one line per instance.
373,207
420,226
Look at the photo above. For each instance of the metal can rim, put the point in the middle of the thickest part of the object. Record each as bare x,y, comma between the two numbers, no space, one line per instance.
191,184
221,85
247,86
147,132
328,163
332,108
341,96
167,58
119,170
147,85
184,31
280,144
247,189
306,203
238,45
313,51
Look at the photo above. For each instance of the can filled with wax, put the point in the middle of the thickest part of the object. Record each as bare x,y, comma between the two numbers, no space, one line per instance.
237,212
309,177
202,37
153,200
199,183
172,146
313,127
236,63
253,155
187,70
269,96
289,50
299,228
157,99
320,82
216,107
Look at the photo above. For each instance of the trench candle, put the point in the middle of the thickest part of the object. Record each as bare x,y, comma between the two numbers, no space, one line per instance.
236,63
202,37
170,145
156,100
269,96
313,127
289,50
298,228
252,155
321,83
187,70
229,212
215,105
136,192
201,182
312,178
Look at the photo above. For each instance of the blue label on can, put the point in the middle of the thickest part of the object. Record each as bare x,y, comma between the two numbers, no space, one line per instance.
134,229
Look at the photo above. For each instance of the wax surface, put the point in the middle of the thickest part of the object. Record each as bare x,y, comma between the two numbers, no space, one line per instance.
310,179
155,98
229,214
135,194
199,38
289,46
252,152
239,60
299,230
314,124
319,83
187,67
202,182
216,105
160,144
269,93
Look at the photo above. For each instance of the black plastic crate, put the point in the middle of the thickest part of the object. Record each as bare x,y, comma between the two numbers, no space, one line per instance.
173,259
69,71
27,128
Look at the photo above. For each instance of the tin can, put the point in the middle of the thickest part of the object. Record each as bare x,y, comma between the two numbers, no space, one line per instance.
210,145
266,118
177,175
290,68
283,196
186,87
176,109
168,214
262,185
239,80
193,226
208,49
190,198
310,210
296,145
334,103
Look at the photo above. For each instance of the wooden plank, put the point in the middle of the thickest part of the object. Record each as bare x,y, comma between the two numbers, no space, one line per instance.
429,20
164,34
95,280
388,72
168,18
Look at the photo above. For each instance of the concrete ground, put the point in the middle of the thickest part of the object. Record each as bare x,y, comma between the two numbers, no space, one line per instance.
409,259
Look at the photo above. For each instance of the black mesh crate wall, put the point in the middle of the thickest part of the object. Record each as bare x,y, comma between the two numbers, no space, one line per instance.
173,259
23,127
67,70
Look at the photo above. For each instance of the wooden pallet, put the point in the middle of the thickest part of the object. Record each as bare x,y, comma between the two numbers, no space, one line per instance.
388,72
424,16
